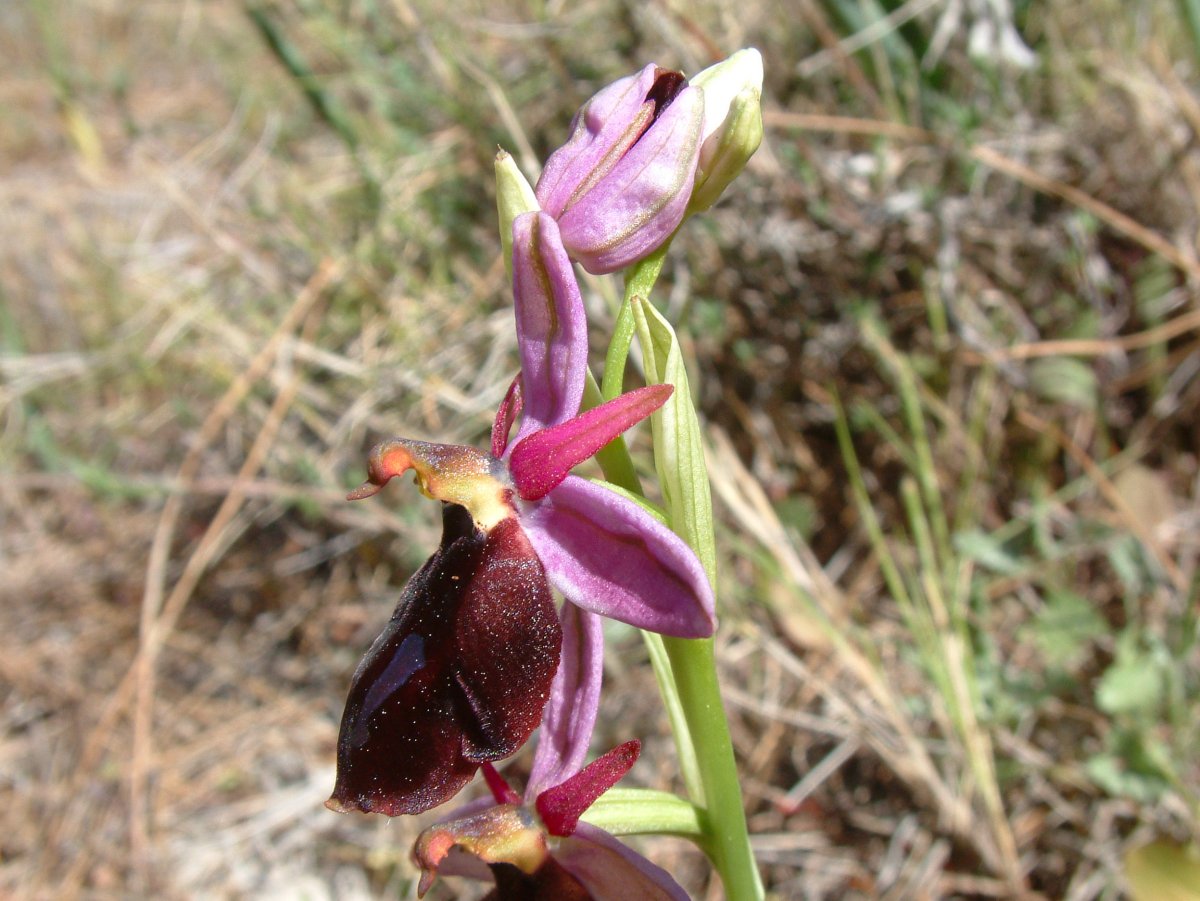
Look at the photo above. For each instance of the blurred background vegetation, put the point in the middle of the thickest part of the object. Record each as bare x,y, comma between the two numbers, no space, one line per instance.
944,332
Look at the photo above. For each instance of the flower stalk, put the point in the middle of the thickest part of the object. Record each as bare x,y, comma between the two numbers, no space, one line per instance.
692,674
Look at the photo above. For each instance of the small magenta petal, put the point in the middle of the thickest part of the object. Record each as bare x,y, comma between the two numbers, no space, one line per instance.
570,714
541,461
611,557
561,807
506,415
498,786
612,872
551,324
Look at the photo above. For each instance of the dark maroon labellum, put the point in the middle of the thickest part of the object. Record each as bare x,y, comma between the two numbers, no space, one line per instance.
666,87
459,676
551,882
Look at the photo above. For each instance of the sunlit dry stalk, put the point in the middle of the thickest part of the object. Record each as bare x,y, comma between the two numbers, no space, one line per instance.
159,616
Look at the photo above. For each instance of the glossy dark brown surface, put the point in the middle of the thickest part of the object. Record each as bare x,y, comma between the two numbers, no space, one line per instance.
460,674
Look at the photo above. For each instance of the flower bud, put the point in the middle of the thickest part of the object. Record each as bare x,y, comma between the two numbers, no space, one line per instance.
514,196
733,126
619,186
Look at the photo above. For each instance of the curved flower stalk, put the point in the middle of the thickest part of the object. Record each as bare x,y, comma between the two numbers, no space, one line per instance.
537,850
462,672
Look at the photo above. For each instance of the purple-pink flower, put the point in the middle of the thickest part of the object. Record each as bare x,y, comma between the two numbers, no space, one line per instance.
463,671
537,850
620,185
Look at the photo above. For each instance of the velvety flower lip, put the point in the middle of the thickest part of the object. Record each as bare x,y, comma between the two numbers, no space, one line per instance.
459,676
538,850
620,184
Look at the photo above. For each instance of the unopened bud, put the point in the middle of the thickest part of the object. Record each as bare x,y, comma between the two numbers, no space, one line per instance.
733,126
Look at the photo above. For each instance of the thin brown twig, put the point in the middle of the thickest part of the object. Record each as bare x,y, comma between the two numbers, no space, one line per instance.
1110,492
1113,218
1091,347
847,125
158,616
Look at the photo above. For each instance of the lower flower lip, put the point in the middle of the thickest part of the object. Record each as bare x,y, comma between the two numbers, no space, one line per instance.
434,697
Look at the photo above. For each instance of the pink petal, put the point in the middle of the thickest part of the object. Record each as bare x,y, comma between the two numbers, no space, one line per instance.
570,714
551,324
613,872
609,556
602,131
541,461
642,200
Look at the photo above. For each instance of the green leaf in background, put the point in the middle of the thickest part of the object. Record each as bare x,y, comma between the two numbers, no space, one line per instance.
1133,684
1120,779
678,448
1064,380
1064,629
1163,871
987,551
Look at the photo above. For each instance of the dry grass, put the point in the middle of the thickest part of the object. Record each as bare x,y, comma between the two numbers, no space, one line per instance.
216,290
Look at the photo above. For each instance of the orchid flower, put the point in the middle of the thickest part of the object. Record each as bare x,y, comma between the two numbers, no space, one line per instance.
620,184
537,850
462,673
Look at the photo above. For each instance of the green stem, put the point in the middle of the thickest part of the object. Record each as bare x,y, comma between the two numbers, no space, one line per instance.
643,274
618,352
694,666
689,683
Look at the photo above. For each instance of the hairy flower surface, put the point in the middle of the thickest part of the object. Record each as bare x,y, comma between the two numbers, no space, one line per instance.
463,671
537,850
